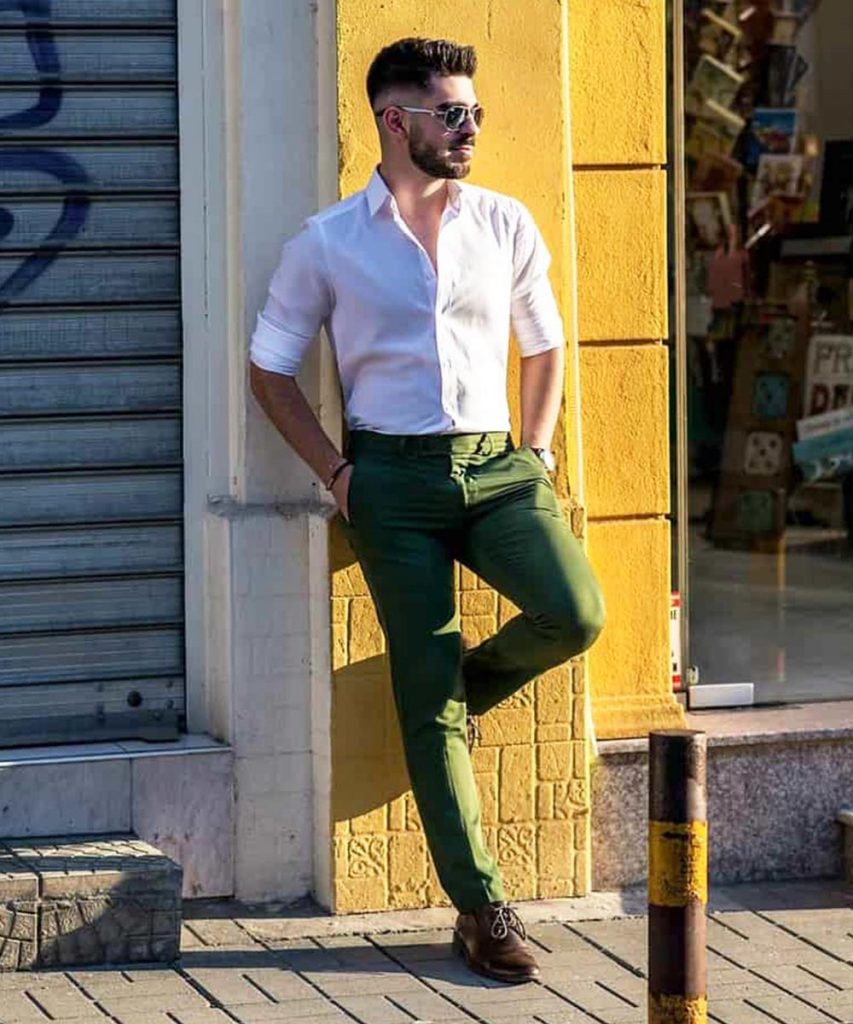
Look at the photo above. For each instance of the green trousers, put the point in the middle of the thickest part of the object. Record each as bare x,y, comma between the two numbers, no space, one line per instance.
417,505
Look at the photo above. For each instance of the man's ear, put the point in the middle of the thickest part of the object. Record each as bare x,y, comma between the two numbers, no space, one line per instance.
394,122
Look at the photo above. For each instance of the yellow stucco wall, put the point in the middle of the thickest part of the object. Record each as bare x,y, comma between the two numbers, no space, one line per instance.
618,102
607,219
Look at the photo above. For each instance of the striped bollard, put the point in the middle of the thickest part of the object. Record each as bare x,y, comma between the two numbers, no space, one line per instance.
678,877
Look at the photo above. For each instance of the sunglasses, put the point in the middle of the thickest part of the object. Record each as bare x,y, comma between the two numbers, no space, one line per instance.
453,116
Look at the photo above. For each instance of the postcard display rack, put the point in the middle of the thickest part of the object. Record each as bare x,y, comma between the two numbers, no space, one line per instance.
749,176
750,502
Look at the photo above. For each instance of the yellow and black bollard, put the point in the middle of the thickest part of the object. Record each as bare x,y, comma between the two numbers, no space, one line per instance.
678,877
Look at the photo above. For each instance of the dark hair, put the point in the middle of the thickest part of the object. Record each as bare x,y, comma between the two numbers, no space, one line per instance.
414,61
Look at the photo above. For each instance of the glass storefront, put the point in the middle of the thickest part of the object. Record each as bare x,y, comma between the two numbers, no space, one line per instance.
765,347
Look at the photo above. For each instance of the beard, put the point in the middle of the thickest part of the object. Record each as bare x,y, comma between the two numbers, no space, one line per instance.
438,163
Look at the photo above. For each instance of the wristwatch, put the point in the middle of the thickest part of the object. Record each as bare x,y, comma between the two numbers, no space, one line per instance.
546,457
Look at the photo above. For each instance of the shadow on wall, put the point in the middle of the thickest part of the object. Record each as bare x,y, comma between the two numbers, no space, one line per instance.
367,755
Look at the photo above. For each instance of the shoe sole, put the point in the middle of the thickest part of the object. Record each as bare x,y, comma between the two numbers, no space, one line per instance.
459,947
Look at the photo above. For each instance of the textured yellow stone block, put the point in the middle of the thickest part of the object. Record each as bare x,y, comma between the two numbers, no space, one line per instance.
520,883
480,602
558,733
467,580
553,761
625,419
516,847
487,786
435,894
506,610
545,801
570,799
339,856
407,861
477,628
583,873
347,578
340,648
553,696
397,814
618,81
516,783
554,845
413,817
631,559
371,821
501,727
357,894
367,856
366,639
580,758
485,759
621,249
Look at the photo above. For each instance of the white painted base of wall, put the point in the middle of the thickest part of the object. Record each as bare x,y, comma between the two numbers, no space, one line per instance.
179,797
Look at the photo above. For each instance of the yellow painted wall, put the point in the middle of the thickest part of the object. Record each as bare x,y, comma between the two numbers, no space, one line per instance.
608,219
618,103
532,764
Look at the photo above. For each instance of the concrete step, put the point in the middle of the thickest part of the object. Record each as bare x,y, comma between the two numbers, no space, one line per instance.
69,901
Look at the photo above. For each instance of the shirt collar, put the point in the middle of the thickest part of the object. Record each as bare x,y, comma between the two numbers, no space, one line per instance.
378,193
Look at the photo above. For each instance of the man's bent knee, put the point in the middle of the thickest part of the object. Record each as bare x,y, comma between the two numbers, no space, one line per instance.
575,629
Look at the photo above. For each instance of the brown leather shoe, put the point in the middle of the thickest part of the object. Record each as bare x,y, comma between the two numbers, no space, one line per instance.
491,939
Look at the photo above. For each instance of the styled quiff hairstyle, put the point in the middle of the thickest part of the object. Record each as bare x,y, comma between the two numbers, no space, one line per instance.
414,61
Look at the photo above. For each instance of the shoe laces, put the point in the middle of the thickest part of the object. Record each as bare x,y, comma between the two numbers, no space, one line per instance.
504,919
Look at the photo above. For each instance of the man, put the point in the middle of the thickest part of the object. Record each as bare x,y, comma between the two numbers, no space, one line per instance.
416,279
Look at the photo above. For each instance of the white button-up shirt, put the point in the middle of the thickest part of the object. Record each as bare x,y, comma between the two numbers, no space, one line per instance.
418,352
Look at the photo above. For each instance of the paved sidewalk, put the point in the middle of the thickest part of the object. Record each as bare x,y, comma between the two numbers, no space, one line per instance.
777,953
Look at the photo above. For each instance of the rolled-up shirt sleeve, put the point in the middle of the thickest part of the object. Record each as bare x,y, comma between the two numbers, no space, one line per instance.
535,317
298,302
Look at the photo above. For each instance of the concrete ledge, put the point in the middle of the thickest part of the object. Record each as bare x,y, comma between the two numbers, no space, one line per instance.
178,796
777,778
747,726
78,753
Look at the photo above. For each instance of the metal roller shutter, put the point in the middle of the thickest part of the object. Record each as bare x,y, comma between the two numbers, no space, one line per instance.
91,487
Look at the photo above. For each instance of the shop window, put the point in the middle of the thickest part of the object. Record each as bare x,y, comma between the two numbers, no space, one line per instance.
764,276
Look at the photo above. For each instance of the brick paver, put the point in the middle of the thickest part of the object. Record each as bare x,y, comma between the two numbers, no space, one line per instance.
777,954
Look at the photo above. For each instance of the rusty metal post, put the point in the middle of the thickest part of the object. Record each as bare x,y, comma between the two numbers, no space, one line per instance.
678,877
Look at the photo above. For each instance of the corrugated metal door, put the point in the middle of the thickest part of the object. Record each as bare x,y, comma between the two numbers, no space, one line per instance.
91,491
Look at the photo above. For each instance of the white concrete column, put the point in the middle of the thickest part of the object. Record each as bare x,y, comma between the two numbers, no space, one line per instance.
257,518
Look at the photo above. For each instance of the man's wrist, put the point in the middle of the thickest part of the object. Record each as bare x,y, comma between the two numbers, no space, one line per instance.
337,469
545,456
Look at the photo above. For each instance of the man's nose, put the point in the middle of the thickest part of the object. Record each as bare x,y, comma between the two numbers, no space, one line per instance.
470,127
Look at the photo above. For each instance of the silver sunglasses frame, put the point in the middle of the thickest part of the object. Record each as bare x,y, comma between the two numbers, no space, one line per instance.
438,113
